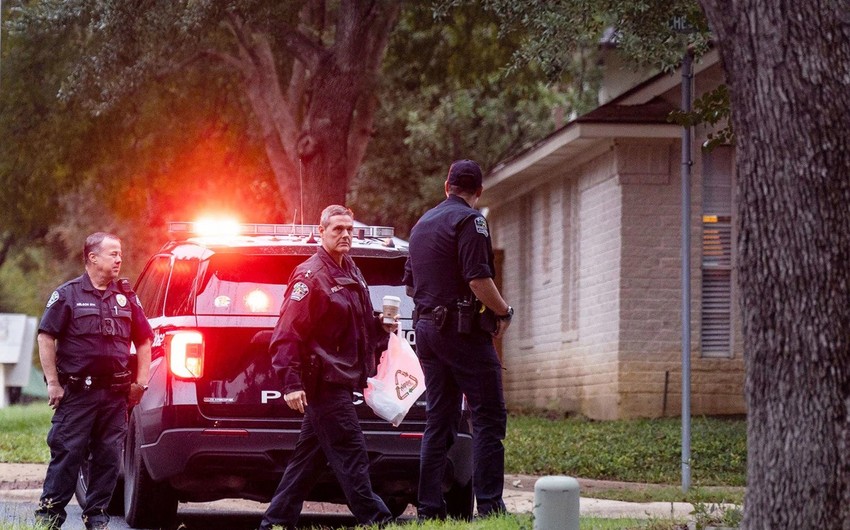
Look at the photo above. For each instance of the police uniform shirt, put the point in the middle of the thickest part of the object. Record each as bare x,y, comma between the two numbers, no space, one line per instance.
449,246
93,328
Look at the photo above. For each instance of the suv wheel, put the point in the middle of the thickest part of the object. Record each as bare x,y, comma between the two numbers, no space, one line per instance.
148,504
116,503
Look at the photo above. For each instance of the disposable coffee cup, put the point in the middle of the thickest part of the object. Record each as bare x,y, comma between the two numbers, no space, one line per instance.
391,304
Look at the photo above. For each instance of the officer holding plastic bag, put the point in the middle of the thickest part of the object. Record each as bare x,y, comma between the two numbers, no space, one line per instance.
323,349
450,274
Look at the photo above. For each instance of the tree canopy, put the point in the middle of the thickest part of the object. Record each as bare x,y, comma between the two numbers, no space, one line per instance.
307,70
142,118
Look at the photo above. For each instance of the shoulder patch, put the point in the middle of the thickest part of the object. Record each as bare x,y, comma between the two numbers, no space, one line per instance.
299,291
53,298
481,226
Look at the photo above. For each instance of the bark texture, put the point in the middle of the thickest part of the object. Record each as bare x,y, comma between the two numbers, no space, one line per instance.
317,124
788,69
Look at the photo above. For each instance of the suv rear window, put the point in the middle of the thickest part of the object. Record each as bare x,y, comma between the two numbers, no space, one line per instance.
239,284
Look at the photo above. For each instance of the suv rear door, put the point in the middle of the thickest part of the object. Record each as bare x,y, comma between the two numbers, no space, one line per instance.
236,298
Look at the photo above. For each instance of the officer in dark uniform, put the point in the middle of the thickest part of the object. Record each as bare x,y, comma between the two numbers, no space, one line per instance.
449,274
323,349
84,345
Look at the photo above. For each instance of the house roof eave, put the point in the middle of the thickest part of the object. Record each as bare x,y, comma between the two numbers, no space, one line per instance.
573,145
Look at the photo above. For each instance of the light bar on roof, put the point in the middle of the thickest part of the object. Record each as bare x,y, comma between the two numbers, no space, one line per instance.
190,228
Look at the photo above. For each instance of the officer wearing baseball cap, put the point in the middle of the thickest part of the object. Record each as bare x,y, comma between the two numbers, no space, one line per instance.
449,274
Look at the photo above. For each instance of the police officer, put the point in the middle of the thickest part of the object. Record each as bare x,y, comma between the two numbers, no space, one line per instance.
323,349
84,346
449,274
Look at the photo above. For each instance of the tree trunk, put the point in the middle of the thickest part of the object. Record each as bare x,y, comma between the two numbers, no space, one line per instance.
788,68
316,135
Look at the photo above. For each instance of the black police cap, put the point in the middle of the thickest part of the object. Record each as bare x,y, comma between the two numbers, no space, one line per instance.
466,174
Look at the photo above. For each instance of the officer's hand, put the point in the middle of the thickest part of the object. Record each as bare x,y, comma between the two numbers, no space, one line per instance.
136,393
389,328
55,393
501,328
296,400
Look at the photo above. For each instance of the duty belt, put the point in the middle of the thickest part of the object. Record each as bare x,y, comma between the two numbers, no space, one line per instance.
438,315
119,381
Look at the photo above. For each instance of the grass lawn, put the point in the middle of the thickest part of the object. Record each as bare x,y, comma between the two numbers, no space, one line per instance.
644,454
23,433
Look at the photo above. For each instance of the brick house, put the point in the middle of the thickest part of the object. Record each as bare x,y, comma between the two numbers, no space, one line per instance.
587,225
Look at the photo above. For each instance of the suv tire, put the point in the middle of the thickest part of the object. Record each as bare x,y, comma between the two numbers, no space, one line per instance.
116,504
148,504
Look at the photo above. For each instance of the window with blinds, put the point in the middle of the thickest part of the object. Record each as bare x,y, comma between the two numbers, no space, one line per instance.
716,311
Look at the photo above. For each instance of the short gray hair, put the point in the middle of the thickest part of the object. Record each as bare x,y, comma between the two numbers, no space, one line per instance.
94,242
330,211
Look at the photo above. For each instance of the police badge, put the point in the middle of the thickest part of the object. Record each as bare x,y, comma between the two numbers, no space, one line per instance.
299,291
481,226
53,298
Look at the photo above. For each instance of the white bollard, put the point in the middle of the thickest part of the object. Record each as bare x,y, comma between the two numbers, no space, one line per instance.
556,503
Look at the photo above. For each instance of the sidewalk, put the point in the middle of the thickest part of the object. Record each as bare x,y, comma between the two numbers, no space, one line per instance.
22,483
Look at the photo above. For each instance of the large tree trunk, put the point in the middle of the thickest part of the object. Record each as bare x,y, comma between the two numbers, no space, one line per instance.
316,134
788,67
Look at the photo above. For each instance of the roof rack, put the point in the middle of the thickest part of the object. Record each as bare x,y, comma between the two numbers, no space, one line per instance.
186,229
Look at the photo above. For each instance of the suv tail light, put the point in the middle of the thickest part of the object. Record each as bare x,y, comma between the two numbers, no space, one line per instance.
185,351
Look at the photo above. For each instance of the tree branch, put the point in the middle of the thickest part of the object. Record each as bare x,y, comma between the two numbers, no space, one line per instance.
361,131
6,241
307,50
311,20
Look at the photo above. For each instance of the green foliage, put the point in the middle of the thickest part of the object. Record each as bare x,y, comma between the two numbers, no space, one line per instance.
447,94
23,433
646,451
711,108
27,279
639,492
642,30
15,522
41,135
496,522
172,148
632,451
716,515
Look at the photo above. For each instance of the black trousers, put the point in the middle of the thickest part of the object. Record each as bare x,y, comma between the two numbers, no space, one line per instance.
86,421
330,434
458,364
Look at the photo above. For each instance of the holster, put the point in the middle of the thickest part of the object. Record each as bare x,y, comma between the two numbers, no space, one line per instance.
441,314
486,319
311,374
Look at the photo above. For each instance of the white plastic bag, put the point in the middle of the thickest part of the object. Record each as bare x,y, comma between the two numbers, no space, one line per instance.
398,383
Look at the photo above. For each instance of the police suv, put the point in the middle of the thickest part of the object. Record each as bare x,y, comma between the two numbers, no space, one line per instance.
213,423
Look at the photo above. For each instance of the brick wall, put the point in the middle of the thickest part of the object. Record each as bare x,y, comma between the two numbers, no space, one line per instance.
650,374
609,233
548,366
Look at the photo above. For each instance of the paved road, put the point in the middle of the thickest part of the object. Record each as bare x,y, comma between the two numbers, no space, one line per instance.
222,515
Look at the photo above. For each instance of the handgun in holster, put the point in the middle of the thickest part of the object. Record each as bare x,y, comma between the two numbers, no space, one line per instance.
440,315
311,373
